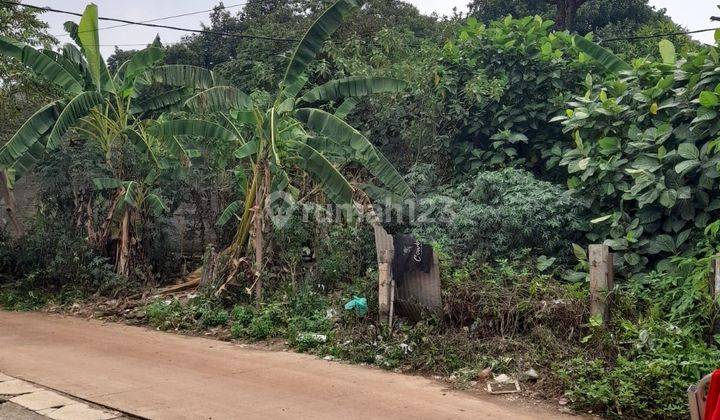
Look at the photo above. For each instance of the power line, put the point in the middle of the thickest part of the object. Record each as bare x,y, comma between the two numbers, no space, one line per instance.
232,6
153,25
641,37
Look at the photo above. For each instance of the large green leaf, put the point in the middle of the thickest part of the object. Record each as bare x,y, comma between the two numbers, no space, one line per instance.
30,134
67,64
356,147
90,41
159,101
142,143
138,64
75,56
193,128
667,51
346,108
230,211
41,64
602,55
353,87
107,183
323,173
218,99
247,150
315,38
76,109
24,163
131,196
156,204
181,75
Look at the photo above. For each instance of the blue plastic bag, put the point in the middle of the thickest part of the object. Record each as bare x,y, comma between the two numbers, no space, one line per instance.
359,305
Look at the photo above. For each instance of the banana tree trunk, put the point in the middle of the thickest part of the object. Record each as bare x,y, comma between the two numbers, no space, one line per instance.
8,197
258,234
122,261
258,245
102,238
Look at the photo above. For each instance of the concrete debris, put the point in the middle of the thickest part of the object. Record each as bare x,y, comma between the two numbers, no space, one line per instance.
502,379
318,338
80,411
17,387
532,374
503,384
41,400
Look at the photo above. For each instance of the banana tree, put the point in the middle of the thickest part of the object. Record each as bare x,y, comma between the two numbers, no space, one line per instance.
109,111
293,136
138,200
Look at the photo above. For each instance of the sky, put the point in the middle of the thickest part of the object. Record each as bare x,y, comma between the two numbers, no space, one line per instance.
693,14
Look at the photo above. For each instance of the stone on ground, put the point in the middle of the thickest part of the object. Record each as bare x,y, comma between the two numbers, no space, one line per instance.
41,400
17,387
79,411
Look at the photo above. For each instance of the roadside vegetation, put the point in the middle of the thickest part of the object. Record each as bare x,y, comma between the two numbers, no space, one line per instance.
519,138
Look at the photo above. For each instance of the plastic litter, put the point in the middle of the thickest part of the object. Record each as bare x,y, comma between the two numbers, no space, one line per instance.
358,304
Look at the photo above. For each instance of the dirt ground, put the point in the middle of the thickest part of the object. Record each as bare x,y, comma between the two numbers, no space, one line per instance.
159,375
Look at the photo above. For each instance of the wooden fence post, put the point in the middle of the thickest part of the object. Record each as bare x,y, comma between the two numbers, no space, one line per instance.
384,285
601,280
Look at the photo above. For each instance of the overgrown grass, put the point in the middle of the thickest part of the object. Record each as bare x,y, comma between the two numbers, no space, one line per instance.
197,313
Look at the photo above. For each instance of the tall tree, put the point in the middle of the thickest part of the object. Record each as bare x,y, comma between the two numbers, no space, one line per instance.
20,91
582,16
110,110
290,137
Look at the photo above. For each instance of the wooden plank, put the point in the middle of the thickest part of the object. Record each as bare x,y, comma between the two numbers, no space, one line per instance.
601,280
420,291
416,293
385,250
385,286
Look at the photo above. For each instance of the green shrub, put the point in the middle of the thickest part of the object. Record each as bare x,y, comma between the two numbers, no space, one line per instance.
213,317
167,315
269,321
499,213
644,156
54,260
648,379
505,82
242,314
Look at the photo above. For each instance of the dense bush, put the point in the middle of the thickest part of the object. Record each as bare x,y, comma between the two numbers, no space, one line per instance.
645,157
503,84
52,263
499,213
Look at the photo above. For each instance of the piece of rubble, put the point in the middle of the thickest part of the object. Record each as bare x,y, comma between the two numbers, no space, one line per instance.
80,411
532,374
41,400
484,374
503,378
4,378
503,384
17,387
